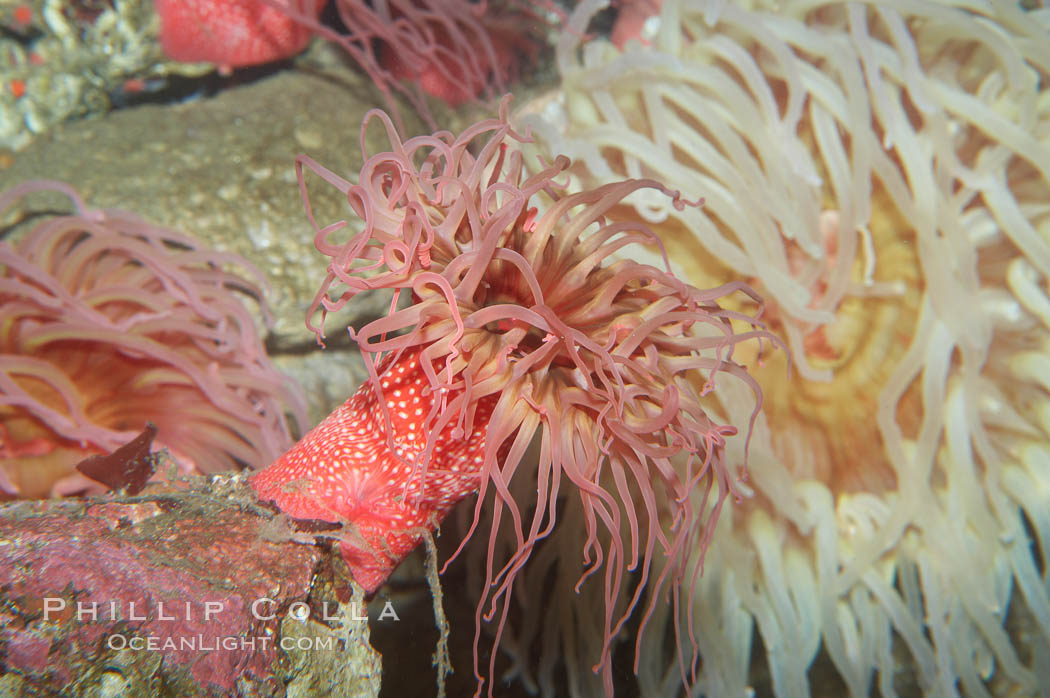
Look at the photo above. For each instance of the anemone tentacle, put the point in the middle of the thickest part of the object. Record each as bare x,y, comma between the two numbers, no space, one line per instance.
523,327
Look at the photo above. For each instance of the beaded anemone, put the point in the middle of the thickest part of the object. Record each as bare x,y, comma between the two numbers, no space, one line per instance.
527,322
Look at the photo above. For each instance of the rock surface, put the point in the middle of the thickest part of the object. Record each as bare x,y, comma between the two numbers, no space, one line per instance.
191,588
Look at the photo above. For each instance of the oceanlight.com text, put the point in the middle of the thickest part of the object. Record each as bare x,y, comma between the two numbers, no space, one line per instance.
199,643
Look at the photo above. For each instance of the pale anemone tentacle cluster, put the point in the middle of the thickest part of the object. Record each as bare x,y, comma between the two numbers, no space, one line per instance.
881,171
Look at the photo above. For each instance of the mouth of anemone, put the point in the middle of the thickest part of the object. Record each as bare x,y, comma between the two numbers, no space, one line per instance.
860,348
818,425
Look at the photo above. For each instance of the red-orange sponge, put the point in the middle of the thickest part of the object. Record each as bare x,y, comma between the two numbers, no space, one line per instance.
232,33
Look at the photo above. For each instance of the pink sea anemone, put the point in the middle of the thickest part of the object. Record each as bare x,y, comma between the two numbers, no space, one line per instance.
518,318
107,322
456,50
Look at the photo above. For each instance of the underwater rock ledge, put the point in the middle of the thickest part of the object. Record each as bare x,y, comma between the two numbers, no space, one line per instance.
162,590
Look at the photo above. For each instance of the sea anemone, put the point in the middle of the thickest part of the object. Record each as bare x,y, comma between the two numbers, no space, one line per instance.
108,322
456,50
511,323
880,170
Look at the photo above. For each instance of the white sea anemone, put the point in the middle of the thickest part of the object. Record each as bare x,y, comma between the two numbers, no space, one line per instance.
881,171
